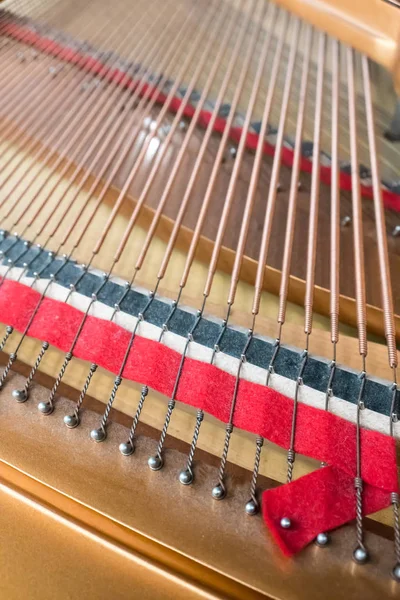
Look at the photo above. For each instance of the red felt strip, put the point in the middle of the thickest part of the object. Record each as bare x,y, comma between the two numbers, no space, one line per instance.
317,502
320,501
96,67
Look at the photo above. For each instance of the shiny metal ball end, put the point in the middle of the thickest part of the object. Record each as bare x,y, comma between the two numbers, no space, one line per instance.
322,539
45,408
251,508
286,523
155,462
360,555
186,477
396,572
126,448
218,492
98,435
71,421
20,395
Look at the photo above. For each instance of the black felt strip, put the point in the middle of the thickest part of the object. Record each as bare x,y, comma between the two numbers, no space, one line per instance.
346,383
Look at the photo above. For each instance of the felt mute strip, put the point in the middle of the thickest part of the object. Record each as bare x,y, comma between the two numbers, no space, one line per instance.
317,502
377,393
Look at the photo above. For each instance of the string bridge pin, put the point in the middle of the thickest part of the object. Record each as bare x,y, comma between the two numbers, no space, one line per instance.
73,420
22,395
127,448
252,505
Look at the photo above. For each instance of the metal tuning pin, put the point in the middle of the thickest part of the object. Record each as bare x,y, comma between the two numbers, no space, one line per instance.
100,434
360,554
186,476
219,490
291,455
127,448
156,462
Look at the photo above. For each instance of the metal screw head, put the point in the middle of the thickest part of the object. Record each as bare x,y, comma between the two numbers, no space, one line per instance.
155,462
286,523
396,231
396,572
360,555
322,539
346,221
45,408
98,435
186,477
251,508
71,421
218,492
20,395
126,448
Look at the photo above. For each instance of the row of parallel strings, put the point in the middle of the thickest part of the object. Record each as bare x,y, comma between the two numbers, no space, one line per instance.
96,132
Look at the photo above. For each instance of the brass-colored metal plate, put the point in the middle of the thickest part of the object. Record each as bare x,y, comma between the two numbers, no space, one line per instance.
44,556
197,541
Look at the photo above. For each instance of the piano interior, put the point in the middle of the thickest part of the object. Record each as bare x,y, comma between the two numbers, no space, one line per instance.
199,298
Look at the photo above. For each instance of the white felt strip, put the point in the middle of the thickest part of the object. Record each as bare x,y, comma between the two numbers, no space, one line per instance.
250,372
